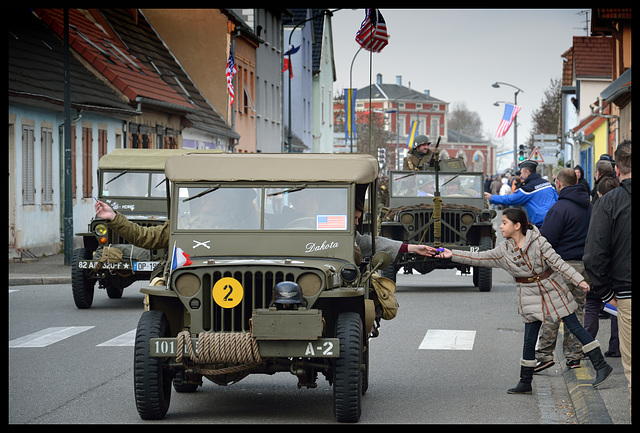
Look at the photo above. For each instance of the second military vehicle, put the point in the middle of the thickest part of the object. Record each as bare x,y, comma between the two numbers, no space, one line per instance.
444,208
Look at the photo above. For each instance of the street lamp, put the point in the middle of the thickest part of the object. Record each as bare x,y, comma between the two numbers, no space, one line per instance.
515,120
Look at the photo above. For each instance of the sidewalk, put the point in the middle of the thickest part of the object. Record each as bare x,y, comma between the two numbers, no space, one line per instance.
608,404
41,270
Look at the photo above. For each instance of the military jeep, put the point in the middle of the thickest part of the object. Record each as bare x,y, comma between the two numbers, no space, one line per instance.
460,221
131,181
261,279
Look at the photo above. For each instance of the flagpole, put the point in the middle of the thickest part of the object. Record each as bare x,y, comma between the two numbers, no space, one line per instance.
352,121
370,107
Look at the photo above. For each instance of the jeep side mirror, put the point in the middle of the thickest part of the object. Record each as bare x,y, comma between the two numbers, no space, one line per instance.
380,260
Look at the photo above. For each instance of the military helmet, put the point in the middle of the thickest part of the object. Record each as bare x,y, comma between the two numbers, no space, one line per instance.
288,292
420,139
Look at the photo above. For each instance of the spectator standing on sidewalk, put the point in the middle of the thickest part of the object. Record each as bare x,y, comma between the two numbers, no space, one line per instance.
565,227
593,308
607,254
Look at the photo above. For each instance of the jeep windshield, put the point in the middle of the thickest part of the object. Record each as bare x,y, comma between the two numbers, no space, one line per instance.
419,184
264,207
125,183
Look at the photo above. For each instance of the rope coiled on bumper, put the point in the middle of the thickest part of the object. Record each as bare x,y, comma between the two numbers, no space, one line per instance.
220,348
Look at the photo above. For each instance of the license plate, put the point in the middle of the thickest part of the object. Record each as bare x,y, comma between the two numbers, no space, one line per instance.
124,265
144,266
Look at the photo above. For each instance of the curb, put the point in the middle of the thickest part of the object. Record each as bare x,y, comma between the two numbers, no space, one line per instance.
30,280
587,403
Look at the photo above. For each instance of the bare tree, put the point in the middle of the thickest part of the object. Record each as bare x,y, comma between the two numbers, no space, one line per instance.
546,119
462,120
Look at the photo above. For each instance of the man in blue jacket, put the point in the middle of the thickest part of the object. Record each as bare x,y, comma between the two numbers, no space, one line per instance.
565,227
536,194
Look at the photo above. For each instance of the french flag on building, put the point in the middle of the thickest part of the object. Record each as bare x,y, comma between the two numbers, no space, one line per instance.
179,258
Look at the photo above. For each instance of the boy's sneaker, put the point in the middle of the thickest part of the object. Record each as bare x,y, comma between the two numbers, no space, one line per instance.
542,366
574,363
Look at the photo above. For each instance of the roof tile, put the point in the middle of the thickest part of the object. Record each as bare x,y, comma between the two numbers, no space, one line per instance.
92,43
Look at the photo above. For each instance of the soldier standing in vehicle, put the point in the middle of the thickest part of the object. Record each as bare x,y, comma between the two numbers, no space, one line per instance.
420,154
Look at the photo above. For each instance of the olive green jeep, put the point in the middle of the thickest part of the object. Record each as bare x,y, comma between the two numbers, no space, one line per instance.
131,181
262,278
461,220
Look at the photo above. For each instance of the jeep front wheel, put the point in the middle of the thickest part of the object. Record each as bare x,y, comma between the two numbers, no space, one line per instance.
482,276
347,372
82,286
151,376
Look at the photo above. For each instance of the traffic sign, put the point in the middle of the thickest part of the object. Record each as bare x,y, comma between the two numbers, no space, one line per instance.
536,155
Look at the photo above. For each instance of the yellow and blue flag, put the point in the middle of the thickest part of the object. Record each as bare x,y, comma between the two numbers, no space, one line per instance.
349,113
412,133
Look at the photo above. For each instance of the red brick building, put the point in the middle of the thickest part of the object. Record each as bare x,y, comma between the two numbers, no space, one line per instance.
396,109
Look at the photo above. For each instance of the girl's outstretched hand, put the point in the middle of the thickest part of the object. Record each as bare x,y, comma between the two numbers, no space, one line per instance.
445,254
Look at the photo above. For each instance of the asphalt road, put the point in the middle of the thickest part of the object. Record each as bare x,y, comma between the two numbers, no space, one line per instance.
82,373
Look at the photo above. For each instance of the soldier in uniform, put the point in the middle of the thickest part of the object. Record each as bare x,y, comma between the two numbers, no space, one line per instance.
419,155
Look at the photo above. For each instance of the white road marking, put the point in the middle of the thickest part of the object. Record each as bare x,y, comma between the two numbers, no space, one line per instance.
126,339
445,339
47,336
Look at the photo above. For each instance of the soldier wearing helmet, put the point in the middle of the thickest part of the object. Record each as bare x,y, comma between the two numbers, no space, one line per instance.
419,155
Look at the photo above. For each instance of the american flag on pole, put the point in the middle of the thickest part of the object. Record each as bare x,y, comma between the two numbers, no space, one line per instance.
230,72
510,113
372,35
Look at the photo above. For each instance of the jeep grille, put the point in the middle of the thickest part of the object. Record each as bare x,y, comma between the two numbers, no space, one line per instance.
258,292
422,221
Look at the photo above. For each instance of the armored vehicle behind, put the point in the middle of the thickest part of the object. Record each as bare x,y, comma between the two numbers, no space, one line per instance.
132,182
263,278
461,221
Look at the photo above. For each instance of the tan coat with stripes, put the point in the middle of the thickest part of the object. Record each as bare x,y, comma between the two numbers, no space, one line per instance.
536,300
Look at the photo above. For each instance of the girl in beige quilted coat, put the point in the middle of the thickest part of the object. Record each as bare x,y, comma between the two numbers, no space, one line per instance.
539,273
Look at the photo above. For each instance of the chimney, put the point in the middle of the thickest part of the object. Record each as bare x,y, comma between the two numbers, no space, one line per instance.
399,80
427,93
379,79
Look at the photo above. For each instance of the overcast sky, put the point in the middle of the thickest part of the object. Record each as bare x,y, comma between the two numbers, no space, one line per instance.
457,54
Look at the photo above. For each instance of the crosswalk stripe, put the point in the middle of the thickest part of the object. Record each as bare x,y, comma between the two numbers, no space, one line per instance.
47,336
445,339
126,339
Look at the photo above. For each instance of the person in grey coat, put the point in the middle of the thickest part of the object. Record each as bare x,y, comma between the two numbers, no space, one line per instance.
539,273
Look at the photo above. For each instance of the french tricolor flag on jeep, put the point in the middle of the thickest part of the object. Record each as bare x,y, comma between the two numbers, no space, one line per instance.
179,258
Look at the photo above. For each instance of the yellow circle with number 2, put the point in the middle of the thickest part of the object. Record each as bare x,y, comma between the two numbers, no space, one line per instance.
227,292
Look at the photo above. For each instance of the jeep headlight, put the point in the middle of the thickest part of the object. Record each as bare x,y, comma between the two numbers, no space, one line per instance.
406,218
310,283
101,231
467,219
187,284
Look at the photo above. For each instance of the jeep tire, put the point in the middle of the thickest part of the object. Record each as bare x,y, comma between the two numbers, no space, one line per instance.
151,376
347,371
482,275
82,286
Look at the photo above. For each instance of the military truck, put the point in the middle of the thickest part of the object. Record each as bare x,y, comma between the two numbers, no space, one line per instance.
444,208
262,278
132,182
